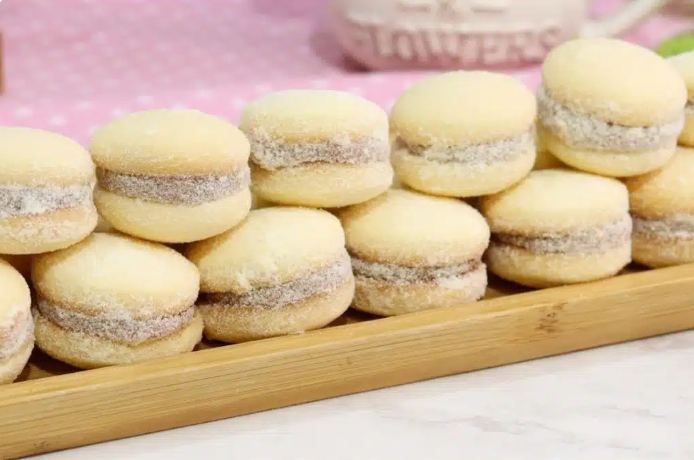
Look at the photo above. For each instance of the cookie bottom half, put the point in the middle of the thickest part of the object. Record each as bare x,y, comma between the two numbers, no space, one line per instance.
547,269
244,323
322,185
607,163
48,231
172,223
387,298
87,352
656,252
461,179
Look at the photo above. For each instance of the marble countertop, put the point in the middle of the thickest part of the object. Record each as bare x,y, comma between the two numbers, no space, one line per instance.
631,402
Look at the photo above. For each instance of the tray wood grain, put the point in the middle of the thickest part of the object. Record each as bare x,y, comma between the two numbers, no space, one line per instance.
54,407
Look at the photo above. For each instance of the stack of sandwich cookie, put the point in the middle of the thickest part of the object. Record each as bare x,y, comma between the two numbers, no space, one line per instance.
16,324
112,299
45,191
317,148
559,227
662,207
172,176
281,271
413,252
464,134
610,107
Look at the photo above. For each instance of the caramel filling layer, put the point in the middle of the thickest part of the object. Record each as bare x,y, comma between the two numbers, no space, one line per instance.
117,329
666,229
16,335
398,274
473,154
579,130
23,201
270,153
581,241
183,190
318,282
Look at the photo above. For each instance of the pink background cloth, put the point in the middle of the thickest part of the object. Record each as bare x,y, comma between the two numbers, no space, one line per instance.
72,65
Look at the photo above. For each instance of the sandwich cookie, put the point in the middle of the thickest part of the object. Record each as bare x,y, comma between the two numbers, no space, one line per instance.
413,252
281,271
684,64
559,227
314,148
662,207
172,176
16,324
45,191
112,299
610,107
463,134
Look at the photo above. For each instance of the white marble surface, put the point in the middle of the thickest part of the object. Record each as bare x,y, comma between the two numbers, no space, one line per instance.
631,402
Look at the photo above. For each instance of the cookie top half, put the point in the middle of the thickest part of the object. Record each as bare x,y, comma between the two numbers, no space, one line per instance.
410,229
113,274
615,81
463,107
36,158
667,192
272,246
170,142
556,201
314,116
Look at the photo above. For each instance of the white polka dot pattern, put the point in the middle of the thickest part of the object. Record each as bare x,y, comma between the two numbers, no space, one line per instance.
75,64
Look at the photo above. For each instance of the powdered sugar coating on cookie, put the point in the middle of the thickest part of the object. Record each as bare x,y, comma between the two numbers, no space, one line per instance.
169,142
116,276
580,130
185,190
317,282
115,327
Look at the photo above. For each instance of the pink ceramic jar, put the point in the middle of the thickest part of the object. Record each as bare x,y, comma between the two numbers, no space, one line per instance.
454,34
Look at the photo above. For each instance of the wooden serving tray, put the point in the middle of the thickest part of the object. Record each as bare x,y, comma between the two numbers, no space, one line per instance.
54,407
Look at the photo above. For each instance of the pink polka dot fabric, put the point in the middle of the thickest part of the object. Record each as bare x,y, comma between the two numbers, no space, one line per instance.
72,65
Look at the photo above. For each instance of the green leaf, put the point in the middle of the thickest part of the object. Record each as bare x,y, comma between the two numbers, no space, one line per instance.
676,45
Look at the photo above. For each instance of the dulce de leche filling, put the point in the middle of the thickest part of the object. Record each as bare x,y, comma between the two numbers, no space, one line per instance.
587,240
398,274
580,130
180,189
16,334
472,154
676,227
18,200
115,328
271,153
318,282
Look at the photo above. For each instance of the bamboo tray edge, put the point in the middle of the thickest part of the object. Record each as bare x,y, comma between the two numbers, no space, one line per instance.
55,413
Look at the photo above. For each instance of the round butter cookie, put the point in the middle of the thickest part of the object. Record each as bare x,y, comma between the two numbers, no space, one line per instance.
559,227
662,207
282,271
317,148
171,175
610,107
413,252
463,134
16,324
113,299
45,191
